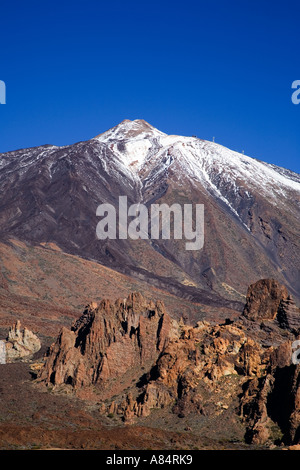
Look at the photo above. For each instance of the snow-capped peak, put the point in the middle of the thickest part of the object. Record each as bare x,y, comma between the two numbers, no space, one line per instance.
138,145
148,153
132,141
137,129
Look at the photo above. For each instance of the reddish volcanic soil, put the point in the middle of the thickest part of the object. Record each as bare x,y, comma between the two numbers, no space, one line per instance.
46,288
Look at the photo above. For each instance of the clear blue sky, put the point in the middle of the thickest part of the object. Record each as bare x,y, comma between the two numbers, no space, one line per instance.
219,69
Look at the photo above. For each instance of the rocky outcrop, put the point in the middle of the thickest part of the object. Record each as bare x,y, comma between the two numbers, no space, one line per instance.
108,342
269,300
21,343
288,314
273,400
263,300
200,354
135,358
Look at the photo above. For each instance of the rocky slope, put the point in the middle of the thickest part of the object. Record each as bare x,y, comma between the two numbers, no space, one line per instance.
132,358
46,288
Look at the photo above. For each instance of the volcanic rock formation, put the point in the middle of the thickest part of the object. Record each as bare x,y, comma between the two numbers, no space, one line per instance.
185,368
108,341
21,343
264,299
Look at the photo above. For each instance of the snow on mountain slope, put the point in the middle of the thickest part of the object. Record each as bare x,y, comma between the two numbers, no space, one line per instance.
132,141
214,166
142,154
145,153
130,129
139,142
149,153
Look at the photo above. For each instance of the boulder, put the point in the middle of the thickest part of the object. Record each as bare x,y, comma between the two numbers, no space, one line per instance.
263,300
21,343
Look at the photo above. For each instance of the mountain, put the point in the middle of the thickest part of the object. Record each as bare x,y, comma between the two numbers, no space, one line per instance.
50,196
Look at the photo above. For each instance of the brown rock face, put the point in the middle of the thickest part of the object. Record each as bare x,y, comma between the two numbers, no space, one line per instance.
289,314
269,300
108,341
136,358
274,399
263,300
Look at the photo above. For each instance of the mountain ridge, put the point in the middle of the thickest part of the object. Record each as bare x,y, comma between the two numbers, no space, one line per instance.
50,195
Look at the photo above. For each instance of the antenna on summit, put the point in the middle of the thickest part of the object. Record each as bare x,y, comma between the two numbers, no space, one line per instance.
213,139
